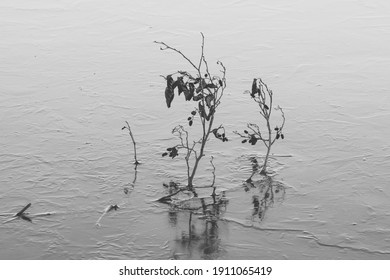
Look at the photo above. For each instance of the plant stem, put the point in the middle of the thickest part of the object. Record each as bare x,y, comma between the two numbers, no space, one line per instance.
269,140
203,144
209,85
20,213
136,162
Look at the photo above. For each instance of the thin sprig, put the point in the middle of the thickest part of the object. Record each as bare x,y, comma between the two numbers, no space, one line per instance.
263,96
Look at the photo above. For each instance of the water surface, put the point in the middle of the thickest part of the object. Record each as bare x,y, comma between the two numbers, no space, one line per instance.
72,72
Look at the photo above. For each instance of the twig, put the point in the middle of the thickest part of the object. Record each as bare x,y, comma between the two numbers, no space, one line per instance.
136,162
106,210
166,198
212,184
176,50
32,215
127,190
263,96
10,220
43,214
7,214
212,164
20,213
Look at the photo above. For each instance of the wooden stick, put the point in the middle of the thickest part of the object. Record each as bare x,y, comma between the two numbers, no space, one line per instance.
20,213
108,209
42,214
7,214
10,220
166,199
134,143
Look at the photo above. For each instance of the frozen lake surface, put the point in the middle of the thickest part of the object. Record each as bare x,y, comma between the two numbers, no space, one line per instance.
72,73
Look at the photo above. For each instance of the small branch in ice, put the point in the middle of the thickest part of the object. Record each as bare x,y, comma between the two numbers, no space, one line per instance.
136,162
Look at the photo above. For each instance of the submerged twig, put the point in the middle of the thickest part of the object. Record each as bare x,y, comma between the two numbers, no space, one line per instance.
24,217
108,209
127,190
167,198
20,213
10,220
212,164
212,184
7,214
136,162
43,214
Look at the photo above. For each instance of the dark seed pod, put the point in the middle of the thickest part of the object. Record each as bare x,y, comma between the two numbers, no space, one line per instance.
175,84
170,82
266,107
164,154
173,153
202,112
276,128
189,118
209,98
282,135
193,113
169,149
201,86
220,83
254,88
169,95
192,87
244,141
197,97
211,86
211,112
180,85
189,93
246,131
190,123
253,139
277,136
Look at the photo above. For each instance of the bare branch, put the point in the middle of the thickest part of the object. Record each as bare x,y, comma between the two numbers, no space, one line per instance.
20,213
136,162
175,50
263,96
212,164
